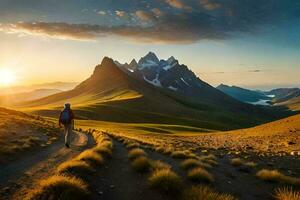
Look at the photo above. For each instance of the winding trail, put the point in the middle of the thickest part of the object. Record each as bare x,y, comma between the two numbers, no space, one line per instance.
19,175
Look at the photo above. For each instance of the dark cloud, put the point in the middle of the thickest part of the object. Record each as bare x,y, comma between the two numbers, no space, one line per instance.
176,3
210,5
174,21
255,70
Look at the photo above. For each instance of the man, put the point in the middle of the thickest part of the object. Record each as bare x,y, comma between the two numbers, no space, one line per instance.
67,119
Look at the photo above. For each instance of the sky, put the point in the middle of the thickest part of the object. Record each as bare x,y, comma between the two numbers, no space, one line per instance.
248,43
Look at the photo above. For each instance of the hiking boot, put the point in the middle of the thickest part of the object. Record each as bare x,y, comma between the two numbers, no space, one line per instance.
67,145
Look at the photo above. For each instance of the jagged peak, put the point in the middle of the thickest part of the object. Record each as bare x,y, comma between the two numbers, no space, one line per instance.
106,62
149,57
133,63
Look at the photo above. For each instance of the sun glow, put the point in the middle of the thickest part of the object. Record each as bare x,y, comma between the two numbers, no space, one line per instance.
7,77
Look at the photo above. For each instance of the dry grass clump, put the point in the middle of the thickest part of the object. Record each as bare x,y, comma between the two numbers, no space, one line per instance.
165,149
132,145
180,154
199,174
209,159
141,164
251,164
276,176
205,193
75,167
166,181
192,163
59,187
107,144
286,194
237,162
157,165
91,156
103,150
137,152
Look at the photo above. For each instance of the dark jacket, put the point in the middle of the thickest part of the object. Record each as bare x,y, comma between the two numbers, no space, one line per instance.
72,116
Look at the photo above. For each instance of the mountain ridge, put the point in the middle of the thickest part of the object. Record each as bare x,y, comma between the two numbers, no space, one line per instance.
114,93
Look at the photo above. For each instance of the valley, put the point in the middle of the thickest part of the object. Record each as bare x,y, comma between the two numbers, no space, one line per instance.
151,130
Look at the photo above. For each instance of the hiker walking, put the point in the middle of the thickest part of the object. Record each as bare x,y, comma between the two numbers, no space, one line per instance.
67,119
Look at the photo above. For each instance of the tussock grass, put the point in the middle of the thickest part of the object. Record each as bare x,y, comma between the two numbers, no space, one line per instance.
103,150
75,167
286,194
276,176
237,162
157,165
166,181
91,156
107,144
59,187
132,145
141,164
251,164
137,152
205,193
199,174
192,163
180,154
209,159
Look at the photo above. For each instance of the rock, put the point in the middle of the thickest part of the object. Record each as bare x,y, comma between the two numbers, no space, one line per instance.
291,143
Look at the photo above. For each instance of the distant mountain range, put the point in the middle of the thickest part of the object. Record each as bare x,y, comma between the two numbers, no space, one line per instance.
289,97
63,86
15,98
153,91
14,95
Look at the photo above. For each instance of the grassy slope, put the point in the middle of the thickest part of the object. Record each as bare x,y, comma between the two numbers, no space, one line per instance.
293,104
20,132
281,135
111,95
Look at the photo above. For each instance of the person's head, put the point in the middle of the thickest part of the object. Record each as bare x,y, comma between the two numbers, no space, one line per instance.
67,106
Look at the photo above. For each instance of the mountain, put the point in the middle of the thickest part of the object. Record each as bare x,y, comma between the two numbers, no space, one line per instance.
14,98
286,97
245,95
167,74
284,94
63,86
152,91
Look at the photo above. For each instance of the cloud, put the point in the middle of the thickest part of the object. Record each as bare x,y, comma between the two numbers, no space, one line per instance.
145,16
177,4
207,20
101,12
121,13
157,12
255,70
209,5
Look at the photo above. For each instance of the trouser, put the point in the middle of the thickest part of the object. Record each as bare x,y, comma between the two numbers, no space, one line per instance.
68,132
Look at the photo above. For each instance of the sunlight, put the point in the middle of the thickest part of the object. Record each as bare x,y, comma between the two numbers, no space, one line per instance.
7,77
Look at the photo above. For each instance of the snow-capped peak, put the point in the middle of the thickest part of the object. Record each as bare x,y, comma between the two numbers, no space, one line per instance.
149,60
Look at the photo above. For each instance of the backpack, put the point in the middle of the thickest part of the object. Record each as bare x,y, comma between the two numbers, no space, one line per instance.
65,117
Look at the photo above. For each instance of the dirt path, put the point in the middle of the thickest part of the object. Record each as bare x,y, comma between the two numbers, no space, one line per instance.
117,180
19,175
